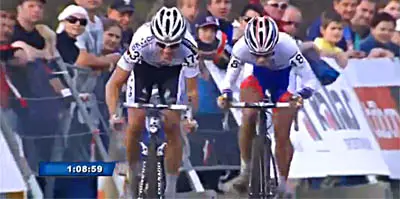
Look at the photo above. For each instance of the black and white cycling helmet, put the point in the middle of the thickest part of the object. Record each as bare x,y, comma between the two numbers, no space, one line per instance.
261,35
168,25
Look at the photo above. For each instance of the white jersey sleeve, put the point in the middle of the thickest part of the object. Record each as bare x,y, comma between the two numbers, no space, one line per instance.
191,63
300,66
133,54
236,63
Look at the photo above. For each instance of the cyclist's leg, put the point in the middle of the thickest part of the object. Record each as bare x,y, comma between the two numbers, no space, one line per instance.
139,90
283,119
250,91
168,86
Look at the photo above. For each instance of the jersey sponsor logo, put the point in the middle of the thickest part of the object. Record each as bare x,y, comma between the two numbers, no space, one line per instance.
142,43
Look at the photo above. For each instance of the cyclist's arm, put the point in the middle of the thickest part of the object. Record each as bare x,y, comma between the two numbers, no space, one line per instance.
232,73
191,71
303,69
118,79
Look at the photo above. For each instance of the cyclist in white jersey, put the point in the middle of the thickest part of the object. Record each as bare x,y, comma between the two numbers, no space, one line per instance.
277,62
163,54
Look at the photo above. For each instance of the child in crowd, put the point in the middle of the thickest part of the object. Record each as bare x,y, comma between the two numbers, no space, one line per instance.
212,44
380,38
332,31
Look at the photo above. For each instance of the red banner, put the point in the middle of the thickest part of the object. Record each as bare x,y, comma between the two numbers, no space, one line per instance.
382,112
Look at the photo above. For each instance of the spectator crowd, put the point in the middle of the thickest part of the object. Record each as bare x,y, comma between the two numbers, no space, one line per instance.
91,44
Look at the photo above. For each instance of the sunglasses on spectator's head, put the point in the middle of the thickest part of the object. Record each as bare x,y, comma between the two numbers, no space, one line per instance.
73,20
164,45
280,5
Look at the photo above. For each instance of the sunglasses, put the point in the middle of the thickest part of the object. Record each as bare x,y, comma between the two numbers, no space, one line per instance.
171,46
73,20
267,55
280,5
292,23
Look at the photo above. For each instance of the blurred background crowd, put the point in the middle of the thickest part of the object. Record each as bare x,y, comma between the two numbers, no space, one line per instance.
90,36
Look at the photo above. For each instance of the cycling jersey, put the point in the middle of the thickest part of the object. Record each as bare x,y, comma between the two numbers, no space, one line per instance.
143,58
144,48
286,57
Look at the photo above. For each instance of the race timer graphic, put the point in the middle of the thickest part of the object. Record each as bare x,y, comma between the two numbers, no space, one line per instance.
76,168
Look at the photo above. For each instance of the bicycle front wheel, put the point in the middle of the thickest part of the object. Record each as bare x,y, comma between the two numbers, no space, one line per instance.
155,172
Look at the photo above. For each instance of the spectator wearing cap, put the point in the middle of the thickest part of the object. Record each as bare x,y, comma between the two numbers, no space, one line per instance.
396,36
221,10
73,20
122,12
190,10
382,29
90,43
346,9
361,21
210,48
248,12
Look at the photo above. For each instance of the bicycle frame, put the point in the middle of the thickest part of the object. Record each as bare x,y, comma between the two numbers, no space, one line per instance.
154,133
262,135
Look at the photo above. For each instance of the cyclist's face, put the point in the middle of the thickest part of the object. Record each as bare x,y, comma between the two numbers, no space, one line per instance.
167,51
263,60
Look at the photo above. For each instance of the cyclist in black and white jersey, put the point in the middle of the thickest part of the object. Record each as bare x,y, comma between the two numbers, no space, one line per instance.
162,54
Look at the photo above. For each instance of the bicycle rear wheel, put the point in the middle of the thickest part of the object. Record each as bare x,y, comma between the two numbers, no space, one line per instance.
155,172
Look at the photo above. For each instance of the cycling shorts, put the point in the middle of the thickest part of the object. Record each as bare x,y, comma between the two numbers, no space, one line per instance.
275,81
168,79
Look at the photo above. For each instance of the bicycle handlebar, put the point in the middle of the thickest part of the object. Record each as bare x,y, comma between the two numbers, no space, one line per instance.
174,107
260,105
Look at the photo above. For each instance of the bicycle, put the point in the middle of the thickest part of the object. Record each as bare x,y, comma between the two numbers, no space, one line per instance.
261,185
152,178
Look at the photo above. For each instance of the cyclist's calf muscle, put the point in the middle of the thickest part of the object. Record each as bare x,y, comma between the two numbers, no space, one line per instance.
283,149
136,124
173,154
248,127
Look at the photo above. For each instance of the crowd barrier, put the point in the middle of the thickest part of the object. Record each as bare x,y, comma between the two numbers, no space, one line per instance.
351,127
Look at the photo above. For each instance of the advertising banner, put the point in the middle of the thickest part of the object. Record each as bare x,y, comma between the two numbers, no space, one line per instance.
377,85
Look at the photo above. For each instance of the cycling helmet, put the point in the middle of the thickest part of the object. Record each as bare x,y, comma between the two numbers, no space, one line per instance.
261,35
168,25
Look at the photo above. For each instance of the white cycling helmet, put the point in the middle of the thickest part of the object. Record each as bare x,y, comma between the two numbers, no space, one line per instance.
168,25
261,35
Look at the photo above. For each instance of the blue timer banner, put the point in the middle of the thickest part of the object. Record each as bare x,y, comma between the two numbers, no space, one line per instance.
76,168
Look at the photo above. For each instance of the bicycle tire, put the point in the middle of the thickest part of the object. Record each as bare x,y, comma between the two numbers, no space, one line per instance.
154,169
267,156
256,177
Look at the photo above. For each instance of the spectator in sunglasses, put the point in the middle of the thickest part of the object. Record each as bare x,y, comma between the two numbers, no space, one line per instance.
291,20
275,8
73,21
249,11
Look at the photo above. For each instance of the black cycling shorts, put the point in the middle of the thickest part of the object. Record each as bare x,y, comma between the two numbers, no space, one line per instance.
145,77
